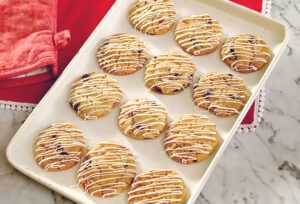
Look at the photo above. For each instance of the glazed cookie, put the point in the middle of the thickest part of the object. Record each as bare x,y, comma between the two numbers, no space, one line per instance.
157,186
154,17
199,34
222,94
191,138
94,95
245,53
122,54
142,119
59,147
169,73
107,170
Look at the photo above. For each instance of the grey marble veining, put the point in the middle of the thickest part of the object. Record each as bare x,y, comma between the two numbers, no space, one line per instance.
261,167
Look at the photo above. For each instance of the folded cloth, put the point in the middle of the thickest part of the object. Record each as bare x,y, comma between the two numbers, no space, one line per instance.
80,18
28,40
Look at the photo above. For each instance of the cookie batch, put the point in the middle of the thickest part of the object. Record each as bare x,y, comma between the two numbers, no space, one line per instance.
169,73
108,168
153,17
191,138
245,53
199,34
59,147
157,186
122,54
93,95
142,119
223,95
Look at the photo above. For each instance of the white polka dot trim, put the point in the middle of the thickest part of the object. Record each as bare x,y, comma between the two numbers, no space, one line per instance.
9,105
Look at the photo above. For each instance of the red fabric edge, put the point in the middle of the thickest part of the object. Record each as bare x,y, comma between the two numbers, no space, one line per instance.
22,82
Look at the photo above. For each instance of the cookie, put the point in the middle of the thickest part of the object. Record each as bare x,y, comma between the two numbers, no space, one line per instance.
191,138
169,73
153,17
199,34
157,186
107,170
59,147
94,95
122,54
142,119
222,94
245,53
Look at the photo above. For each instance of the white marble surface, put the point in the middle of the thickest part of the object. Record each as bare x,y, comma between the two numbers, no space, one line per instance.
261,167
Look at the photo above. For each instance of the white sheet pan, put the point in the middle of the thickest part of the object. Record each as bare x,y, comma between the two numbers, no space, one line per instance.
54,107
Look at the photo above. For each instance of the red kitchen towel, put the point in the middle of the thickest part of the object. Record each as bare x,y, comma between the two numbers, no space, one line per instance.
80,17
28,39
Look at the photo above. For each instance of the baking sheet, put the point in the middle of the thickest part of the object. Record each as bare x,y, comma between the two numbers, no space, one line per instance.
54,107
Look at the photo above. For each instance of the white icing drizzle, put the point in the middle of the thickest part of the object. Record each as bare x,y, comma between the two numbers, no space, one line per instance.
53,145
94,92
244,50
157,186
153,14
186,137
173,70
122,53
141,115
217,88
202,34
106,168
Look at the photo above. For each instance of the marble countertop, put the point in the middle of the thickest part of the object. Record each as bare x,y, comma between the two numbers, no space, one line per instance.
261,167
